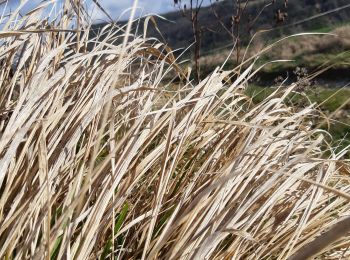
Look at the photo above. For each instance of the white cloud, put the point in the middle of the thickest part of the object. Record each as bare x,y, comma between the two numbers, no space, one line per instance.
116,8
145,6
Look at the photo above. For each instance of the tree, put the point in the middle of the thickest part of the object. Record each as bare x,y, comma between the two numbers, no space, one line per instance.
241,23
194,9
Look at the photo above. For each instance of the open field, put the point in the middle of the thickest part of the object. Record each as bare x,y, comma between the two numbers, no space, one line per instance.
101,157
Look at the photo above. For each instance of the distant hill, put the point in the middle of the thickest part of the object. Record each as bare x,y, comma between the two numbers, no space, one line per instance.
302,16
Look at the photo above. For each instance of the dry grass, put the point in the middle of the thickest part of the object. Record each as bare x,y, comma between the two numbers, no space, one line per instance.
100,157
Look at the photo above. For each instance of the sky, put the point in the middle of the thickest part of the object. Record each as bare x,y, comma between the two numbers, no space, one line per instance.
115,7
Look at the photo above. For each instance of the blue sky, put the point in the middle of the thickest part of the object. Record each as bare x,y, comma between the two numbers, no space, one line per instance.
116,7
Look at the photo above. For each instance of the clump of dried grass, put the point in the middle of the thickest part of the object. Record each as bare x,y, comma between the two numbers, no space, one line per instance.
100,157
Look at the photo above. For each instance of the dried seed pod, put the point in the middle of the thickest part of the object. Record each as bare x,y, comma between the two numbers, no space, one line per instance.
236,19
280,16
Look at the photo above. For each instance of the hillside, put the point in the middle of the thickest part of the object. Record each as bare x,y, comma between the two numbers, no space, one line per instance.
177,31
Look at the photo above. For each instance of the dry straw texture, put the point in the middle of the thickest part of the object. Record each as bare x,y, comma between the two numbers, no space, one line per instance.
100,156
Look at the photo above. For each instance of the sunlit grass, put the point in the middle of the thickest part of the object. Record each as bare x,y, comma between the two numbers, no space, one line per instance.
329,100
102,157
